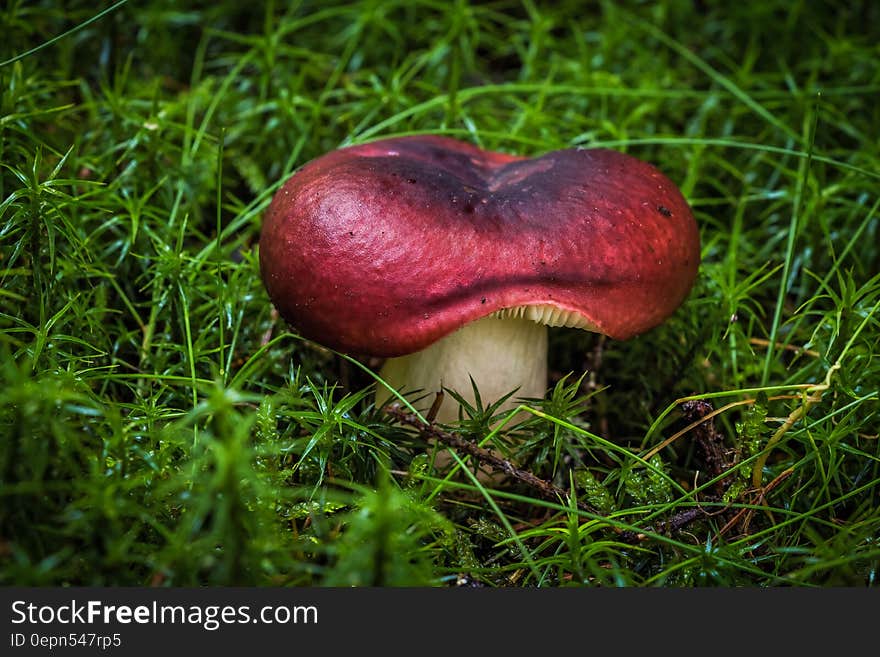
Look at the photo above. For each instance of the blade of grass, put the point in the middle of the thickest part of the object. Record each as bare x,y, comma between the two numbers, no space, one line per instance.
796,223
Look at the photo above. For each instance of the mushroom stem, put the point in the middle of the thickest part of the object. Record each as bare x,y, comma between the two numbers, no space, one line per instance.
501,354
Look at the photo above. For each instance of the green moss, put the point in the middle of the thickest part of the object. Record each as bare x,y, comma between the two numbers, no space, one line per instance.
160,425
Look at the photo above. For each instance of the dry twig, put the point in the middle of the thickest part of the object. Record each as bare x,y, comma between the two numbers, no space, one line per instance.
547,489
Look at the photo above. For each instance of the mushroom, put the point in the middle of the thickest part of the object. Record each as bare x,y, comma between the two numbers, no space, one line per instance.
451,261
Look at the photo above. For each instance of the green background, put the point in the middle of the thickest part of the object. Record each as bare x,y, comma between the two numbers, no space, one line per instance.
160,426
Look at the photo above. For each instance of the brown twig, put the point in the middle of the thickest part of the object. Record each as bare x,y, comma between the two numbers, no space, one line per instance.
744,516
761,342
718,411
716,458
547,489
678,521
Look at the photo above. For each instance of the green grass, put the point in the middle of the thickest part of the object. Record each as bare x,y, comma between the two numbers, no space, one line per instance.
159,425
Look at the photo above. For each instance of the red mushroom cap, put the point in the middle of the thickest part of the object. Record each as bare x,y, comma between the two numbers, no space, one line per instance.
383,248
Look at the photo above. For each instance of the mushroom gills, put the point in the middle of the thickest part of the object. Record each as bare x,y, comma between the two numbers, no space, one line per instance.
501,353
548,315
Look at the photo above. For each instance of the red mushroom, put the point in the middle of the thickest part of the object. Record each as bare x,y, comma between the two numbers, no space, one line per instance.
452,261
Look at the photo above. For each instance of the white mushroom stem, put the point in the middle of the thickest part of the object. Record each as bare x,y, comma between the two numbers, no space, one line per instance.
500,353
